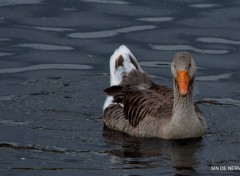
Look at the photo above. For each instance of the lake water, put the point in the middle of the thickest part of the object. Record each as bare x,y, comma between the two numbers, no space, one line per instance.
54,58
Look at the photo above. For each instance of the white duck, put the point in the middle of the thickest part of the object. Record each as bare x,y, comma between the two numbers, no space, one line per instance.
137,106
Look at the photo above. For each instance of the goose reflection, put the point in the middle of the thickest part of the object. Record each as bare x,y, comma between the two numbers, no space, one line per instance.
130,153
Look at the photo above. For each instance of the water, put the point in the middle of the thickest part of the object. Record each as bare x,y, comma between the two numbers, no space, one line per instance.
54,65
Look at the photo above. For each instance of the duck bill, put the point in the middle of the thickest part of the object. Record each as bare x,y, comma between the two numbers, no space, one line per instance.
183,82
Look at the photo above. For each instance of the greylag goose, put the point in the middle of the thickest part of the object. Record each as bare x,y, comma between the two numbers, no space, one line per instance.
139,107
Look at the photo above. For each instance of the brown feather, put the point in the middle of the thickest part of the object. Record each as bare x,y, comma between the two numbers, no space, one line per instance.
119,62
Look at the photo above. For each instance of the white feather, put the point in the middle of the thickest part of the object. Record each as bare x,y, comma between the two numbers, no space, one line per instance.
108,101
116,73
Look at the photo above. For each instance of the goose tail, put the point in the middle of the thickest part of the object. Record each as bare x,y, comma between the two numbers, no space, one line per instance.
121,63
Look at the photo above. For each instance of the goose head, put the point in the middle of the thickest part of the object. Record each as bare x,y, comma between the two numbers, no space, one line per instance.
183,69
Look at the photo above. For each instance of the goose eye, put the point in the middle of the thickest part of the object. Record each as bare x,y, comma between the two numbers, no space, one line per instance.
189,65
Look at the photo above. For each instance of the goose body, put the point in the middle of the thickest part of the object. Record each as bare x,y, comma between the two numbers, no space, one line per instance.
139,107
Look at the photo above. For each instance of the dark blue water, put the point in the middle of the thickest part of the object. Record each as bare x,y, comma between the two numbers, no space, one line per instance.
54,58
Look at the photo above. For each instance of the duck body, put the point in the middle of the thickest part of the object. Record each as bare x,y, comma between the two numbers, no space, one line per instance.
137,106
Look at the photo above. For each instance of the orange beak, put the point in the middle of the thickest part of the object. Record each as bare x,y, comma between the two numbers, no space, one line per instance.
183,82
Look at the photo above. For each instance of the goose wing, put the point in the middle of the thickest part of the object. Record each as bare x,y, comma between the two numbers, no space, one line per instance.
141,102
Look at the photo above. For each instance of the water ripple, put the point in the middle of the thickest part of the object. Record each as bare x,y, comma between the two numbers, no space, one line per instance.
217,40
16,146
155,64
187,47
43,46
214,77
4,39
5,54
53,29
7,97
116,2
204,5
156,19
110,33
17,2
89,35
40,148
220,101
12,123
45,67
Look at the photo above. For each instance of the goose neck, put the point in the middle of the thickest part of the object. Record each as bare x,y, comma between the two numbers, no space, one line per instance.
183,104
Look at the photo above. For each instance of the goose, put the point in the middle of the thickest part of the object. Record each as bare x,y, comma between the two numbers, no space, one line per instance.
139,107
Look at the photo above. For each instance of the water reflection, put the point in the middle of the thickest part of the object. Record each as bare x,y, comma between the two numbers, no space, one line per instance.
7,97
17,2
220,101
110,33
116,2
14,145
52,29
156,19
43,46
128,153
218,40
5,54
214,77
12,123
204,5
187,47
45,67
4,39
155,64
